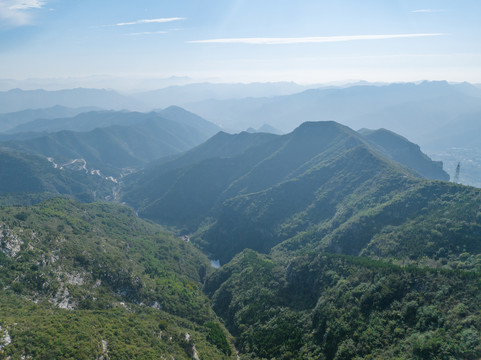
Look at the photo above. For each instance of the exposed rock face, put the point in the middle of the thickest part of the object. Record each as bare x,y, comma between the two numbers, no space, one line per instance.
5,338
192,351
62,299
104,355
10,243
75,279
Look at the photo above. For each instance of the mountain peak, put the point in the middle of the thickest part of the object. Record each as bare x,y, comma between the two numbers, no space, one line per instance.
405,152
322,129
178,114
175,108
317,126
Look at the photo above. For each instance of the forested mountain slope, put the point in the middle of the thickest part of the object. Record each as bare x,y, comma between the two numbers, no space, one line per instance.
112,141
23,175
405,152
362,258
324,306
93,281
272,191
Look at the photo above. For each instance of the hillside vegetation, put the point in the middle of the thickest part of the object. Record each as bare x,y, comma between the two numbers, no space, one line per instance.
334,244
25,177
321,176
324,306
85,281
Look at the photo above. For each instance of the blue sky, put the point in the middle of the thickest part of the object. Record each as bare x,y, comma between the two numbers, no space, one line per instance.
307,41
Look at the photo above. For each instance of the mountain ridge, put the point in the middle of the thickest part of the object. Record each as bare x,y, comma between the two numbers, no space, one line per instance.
18,99
128,140
267,178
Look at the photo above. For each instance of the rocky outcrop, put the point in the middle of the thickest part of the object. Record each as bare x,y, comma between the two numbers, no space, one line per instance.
10,243
5,338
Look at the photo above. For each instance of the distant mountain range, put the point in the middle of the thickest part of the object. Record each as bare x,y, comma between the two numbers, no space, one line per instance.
266,128
417,111
15,119
91,120
438,116
435,115
111,141
18,100
412,110
182,94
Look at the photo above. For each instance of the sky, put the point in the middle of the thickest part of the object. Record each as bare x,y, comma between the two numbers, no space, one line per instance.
307,41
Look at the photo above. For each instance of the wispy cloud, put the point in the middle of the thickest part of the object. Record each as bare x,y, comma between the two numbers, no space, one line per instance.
147,33
149,21
428,11
24,4
16,12
308,40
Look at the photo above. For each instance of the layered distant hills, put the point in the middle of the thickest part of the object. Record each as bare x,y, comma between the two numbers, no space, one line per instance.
412,110
112,141
17,99
14,119
182,94
427,113
90,120
438,116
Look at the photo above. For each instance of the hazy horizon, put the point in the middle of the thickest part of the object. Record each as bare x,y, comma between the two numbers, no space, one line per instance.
241,40
137,85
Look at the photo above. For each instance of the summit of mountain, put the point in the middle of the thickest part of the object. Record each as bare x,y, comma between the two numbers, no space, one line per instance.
265,128
182,116
468,89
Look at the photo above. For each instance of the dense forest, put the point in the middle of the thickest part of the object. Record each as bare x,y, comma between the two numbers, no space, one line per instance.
75,276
